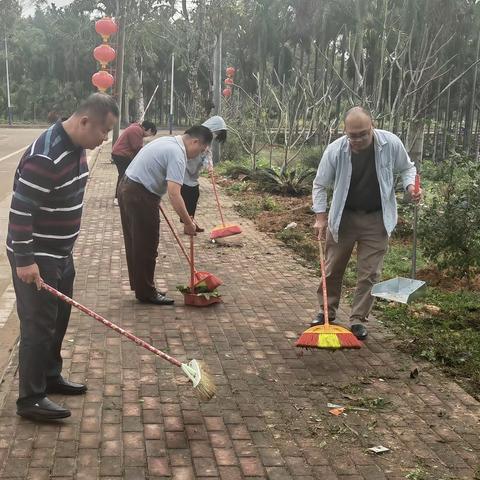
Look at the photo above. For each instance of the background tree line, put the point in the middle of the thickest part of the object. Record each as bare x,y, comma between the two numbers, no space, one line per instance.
300,64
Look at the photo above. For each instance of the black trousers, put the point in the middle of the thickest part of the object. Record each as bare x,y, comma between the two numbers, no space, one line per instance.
43,323
141,233
190,197
122,164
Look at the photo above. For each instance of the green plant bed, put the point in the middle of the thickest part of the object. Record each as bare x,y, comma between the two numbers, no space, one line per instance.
443,328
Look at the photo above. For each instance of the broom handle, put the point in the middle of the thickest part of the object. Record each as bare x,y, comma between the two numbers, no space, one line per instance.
192,267
324,283
212,176
177,238
111,325
415,223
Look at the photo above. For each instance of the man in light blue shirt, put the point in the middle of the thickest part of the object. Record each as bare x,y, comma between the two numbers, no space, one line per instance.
158,168
360,166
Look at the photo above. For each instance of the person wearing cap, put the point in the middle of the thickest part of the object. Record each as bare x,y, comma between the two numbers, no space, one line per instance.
190,189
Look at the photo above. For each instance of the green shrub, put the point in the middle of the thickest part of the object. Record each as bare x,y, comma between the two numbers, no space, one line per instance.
450,226
310,157
294,181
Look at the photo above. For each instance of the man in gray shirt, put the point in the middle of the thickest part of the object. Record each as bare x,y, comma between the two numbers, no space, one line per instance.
360,166
158,168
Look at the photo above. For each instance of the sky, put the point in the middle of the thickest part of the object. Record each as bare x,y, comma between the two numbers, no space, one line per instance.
29,5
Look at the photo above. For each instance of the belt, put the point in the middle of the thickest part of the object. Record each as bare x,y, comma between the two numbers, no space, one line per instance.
128,180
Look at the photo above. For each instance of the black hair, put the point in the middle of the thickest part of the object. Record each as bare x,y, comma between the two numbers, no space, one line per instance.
221,136
99,105
149,126
202,133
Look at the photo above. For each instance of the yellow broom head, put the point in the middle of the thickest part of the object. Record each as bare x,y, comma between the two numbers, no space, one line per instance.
202,381
206,388
330,337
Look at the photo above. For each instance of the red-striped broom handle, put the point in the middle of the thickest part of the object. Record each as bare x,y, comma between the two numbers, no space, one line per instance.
177,238
111,325
212,176
324,283
192,267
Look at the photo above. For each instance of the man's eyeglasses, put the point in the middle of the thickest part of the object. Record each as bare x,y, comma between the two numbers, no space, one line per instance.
358,136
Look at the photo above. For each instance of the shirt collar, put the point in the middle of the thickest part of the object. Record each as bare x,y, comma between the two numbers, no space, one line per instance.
67,141
181,144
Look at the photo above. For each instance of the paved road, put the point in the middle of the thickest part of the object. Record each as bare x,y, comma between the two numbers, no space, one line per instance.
13,143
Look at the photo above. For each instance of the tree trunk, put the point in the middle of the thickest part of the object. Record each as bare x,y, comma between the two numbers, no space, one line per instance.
137,90
468,128
415,139
381,65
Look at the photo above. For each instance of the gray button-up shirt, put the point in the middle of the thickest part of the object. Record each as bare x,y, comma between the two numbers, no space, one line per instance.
335,169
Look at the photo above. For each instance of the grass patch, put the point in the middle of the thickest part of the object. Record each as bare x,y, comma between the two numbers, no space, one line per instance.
447,334
443,328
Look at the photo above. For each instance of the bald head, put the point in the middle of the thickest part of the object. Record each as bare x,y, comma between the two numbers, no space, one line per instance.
358,112
359,128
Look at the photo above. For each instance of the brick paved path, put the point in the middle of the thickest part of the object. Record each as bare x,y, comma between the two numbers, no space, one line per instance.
140,419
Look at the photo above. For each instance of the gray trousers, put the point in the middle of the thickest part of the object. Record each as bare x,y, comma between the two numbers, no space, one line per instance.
43,323
367,232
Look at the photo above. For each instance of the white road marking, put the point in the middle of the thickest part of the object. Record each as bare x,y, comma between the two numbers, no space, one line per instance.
21,150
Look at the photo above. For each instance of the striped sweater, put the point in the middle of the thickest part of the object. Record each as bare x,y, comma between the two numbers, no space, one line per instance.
47,200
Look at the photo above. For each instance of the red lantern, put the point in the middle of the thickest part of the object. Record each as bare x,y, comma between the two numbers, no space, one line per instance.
228,81
102,80
104,54
106,27
230,72
227,93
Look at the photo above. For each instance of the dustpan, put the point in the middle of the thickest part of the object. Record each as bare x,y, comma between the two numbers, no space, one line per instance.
201,279
400,289
195,295
223,230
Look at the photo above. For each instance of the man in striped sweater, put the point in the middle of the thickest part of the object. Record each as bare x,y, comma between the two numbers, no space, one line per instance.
44,223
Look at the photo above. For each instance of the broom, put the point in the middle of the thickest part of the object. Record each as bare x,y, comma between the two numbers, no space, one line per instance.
201,380
205,278
223,230
327,336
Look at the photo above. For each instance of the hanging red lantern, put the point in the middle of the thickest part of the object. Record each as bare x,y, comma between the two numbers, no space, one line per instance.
230,72
105,27
104,54
228,81
227,93
102,80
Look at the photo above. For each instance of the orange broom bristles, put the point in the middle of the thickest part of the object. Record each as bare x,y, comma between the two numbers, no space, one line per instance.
327,336
225,231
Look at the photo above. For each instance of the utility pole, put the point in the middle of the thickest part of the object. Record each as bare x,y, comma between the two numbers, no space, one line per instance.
170,117
9,103
217,86
119,73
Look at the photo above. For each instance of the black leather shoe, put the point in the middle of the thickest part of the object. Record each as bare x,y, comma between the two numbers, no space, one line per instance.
320,320
359,330
199,229
43,409
158,299
65,387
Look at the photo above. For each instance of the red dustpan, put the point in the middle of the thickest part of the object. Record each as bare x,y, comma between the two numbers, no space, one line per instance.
197,296
200,279
223,230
